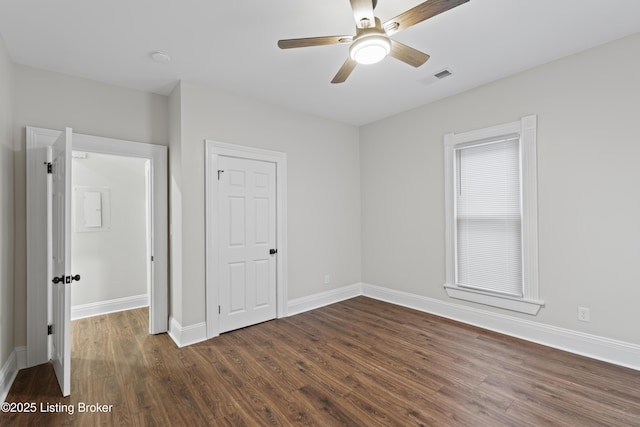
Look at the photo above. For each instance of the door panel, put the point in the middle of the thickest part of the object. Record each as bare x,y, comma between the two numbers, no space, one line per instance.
262,282
237,221
61,260
237,284
263,227
247,230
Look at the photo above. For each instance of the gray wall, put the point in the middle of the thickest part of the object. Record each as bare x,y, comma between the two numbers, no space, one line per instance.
323,191
112,263
54,101
588,176
6,212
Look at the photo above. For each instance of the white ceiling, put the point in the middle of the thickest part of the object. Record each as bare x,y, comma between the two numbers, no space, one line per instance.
231,45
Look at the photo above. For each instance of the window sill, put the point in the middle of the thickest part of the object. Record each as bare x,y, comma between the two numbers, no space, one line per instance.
521,305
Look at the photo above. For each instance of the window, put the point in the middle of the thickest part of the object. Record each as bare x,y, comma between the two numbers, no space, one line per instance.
491,216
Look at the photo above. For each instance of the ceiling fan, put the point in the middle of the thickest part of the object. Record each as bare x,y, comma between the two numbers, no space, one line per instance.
372,43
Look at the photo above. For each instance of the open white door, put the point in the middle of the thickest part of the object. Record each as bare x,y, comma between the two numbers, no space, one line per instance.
61,259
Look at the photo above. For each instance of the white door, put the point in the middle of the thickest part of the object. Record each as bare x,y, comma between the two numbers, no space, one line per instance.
247,239
61,259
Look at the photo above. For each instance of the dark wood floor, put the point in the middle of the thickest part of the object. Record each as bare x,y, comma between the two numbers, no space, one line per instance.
360,362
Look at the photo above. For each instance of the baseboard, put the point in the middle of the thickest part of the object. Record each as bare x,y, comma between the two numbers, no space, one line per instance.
592,346
187,335
21,357
8,374
311,302
110,306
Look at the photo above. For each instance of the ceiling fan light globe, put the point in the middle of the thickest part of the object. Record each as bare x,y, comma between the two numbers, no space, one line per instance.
371,49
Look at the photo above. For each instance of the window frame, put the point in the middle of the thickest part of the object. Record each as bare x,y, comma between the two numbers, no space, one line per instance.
526,128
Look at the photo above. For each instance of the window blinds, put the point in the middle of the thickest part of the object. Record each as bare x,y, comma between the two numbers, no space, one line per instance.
488,217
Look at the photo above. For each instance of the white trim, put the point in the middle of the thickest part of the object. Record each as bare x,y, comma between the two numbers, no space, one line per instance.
21,354
529,176
213,149
601,348
187,335
37,306
17,360
530,303
81,311
521,305
8,374
311,302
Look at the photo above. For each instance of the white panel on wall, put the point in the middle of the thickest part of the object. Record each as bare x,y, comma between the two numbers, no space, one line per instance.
92,209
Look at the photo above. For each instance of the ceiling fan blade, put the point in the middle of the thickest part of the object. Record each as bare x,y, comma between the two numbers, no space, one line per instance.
344,71
363,10
419,13
313,41
407,54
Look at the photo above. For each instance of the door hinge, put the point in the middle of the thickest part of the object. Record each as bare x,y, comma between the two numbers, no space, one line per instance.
49,329
49,166
152,258
219,311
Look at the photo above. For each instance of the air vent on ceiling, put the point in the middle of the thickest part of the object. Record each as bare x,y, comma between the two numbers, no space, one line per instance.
442,74
434,78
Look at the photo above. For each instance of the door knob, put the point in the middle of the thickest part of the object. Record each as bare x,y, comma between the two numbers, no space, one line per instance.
273,251
66,279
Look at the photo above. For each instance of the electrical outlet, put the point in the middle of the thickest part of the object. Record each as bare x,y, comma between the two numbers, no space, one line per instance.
327,279
583,314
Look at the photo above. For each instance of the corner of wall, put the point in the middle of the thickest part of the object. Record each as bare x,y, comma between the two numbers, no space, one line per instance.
7,215
187,335
175,204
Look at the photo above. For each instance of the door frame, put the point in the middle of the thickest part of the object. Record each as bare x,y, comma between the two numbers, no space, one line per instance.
213,149
37,139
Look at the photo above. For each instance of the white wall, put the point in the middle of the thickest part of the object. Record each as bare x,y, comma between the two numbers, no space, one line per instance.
588,176
323,190
6,212
112,263
51,100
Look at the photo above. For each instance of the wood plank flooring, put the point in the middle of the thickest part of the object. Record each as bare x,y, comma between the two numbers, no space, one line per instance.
360,362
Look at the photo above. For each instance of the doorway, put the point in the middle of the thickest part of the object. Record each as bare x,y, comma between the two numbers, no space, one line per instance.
246,260
110,236
38,225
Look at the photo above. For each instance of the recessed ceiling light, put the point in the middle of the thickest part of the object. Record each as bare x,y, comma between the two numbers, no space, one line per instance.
160,57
